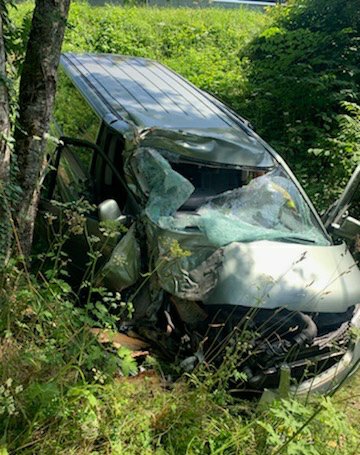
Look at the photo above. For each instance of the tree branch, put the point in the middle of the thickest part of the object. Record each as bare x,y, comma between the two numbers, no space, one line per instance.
36,99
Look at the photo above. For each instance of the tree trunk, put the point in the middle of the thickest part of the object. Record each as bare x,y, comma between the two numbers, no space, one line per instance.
36,98
5,226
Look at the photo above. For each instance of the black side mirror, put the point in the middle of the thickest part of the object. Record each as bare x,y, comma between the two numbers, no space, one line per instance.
337,218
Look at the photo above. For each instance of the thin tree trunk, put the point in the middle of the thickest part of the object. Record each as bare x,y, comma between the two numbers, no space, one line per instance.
36,98
5,226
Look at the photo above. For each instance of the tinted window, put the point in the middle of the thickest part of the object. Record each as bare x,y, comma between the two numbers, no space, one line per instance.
73,180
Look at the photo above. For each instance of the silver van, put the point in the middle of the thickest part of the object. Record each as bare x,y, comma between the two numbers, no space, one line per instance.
220,239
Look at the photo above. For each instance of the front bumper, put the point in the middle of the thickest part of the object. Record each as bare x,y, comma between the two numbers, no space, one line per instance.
330,379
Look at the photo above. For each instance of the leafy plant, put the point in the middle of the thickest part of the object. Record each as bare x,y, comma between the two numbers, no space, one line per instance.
60,390
302,91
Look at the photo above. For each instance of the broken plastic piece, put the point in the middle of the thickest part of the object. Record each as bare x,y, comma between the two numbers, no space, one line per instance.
123,268
120,340
167,190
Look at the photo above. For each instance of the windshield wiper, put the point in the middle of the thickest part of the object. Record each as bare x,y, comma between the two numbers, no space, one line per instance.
296,239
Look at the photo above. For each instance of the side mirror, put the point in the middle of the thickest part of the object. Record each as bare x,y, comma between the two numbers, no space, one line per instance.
338,211
110,211
348,229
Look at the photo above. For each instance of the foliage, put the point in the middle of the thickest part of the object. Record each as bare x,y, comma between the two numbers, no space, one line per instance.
60,390
293,73
293,428
302,91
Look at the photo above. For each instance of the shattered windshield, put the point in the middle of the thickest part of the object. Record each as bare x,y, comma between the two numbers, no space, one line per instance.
226,204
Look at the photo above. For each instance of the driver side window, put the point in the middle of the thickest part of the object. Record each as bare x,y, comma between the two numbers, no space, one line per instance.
73,117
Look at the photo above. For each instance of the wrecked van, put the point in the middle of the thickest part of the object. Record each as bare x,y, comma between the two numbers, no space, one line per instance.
220,241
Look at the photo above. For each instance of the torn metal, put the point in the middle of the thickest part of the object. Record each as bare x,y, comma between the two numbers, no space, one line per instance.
227,146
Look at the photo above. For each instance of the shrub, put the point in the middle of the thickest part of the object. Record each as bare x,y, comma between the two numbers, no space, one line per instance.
293,73
302,91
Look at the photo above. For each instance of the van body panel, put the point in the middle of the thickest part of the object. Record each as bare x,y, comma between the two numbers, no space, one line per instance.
306,278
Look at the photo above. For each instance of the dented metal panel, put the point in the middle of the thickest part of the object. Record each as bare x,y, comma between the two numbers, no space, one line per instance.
268,274
228,146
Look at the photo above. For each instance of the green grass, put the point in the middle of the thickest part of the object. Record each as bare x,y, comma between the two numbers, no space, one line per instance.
347,400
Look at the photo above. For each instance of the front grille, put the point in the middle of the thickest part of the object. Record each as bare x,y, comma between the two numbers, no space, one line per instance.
308,343
304,363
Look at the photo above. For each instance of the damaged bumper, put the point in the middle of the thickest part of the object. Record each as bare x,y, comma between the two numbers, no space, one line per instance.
331,378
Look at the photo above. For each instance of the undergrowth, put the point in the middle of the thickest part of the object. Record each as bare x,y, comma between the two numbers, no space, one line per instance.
63,392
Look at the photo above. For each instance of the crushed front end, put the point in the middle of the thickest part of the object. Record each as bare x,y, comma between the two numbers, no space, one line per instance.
237,261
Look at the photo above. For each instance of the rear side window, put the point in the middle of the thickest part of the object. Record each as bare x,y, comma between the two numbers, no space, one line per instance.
73,116
73,180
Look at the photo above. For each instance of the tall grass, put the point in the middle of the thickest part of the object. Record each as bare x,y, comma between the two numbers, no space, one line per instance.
61,392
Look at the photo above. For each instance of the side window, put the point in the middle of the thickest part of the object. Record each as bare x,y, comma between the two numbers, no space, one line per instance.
73,180
72,115
111,187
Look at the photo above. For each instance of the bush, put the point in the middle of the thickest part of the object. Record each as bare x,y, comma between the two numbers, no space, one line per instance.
293,73
302,91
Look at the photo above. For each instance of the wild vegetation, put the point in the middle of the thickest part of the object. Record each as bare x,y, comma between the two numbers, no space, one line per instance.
303,90
294,73
63,392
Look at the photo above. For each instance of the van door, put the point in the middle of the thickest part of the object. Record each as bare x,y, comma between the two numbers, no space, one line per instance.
73,186
108,184
343,218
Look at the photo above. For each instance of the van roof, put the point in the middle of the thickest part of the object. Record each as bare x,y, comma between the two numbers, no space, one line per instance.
148,94
143,91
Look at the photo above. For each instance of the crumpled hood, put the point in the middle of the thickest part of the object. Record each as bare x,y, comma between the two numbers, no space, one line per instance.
268,274
231,146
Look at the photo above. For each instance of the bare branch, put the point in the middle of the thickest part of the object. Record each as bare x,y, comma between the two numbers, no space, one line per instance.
5,228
